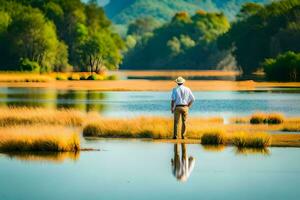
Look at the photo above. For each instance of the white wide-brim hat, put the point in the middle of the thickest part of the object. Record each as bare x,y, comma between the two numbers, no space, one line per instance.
179,80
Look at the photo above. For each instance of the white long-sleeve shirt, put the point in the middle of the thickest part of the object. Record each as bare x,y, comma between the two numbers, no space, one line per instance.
182,95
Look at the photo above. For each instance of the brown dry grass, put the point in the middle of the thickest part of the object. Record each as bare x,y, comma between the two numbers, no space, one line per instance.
24,77
145,127
38,139
22,115
141,127
147,85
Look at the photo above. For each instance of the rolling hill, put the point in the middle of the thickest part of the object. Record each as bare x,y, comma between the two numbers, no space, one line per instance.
125,11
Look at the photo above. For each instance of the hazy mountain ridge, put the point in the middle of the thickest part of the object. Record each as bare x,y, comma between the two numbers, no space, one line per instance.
125,11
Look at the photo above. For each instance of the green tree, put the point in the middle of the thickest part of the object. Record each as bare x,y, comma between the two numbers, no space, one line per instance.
5,20
185,42
31,36
175,46
285,67
61,63
272,30
248,9
53,32
142,25
100,51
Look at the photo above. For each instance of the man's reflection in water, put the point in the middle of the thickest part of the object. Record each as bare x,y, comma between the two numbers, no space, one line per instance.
183,166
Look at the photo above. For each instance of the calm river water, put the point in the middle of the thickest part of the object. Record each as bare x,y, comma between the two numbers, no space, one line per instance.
123,104
129,169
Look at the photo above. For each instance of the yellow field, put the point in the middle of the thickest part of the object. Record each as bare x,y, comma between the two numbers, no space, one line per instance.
147,85
25,129
49,81
34,116
38,139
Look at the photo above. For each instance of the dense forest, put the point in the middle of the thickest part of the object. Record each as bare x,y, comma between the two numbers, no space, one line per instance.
126,11
56,35
206,40
263,32
74,35
186,42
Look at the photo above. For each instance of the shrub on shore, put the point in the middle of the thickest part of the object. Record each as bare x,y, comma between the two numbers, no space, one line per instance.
74,77
95,77
61,77
255,140
38,139
285,67
261,118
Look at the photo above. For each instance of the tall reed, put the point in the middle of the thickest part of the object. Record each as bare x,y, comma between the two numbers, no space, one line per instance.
213,137
38,138
262,118
144,127
24,115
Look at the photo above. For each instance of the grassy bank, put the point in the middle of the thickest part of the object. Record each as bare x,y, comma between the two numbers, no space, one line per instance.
199,131
38,139
161,128
32,116
145,127
26,77
208,131
147,85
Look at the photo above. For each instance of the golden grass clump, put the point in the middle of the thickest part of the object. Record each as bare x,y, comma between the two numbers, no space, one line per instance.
38,139
24,77
275,118
156,127
251,140
145,127
262,118
213,137
22,116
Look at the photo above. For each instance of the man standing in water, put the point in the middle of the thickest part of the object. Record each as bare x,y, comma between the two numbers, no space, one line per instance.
182,100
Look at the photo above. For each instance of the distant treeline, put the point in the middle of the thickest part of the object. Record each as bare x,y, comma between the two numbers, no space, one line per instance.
263,32
126,11
60,35
56,35
186,42
207,40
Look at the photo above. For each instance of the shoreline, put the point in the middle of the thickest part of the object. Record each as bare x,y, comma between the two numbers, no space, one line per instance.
152,85
278,141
